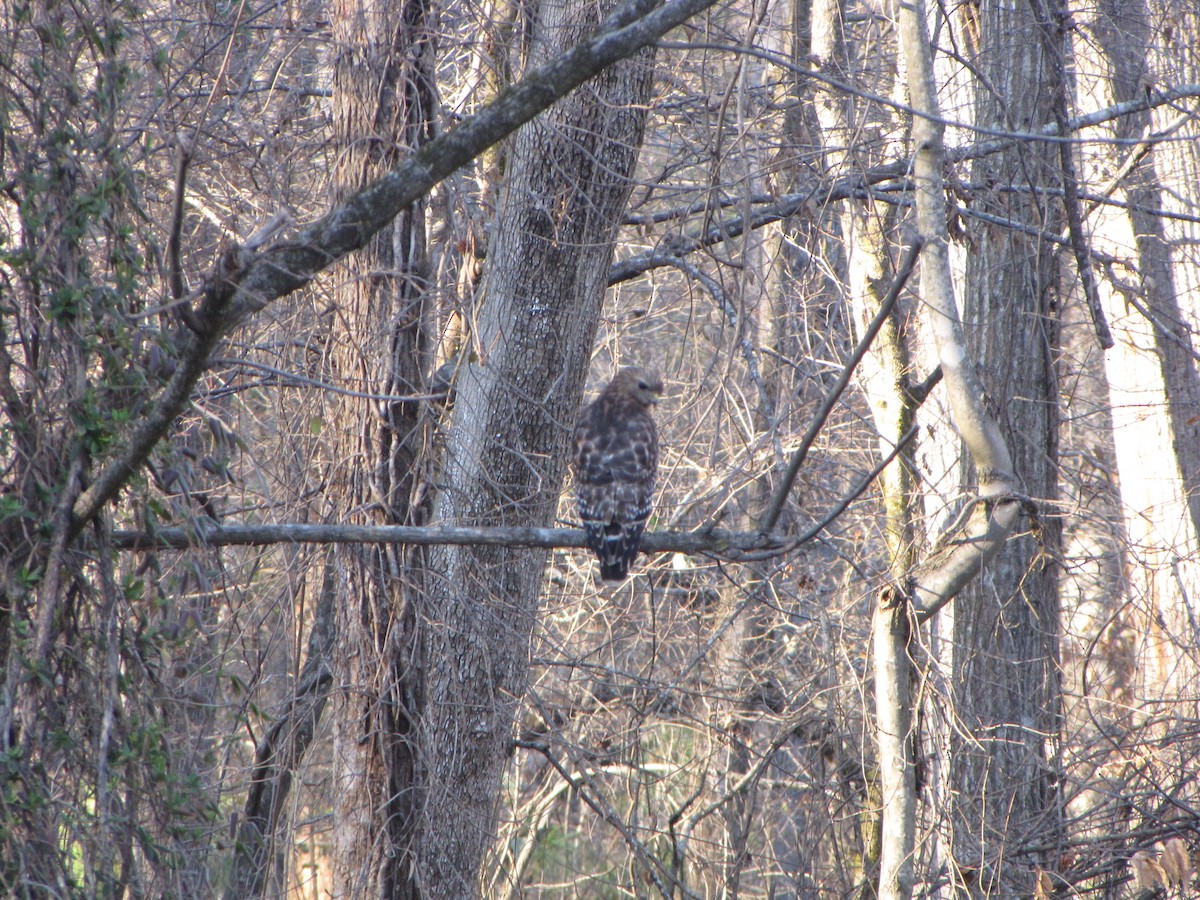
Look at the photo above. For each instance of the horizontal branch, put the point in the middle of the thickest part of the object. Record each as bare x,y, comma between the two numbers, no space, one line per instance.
714,542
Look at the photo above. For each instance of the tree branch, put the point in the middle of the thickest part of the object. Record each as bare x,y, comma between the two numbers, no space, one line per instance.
289,265
994,514
279,753
977,534
175,237
1054,29
711,542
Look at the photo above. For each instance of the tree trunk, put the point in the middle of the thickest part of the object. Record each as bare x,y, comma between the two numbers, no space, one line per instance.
1123,34
883,377
1006,623
1153,408
383,108
567,183
983,531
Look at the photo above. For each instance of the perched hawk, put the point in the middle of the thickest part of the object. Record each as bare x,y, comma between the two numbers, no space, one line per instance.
616,454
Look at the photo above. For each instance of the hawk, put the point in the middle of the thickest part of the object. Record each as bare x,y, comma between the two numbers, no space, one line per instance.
616,455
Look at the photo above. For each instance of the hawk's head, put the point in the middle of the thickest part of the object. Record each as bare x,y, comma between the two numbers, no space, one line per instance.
642,386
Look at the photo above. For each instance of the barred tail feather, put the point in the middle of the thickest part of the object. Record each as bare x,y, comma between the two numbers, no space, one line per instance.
615,545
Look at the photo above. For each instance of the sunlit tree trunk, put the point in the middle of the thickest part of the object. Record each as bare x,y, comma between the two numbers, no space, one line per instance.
982,530
884,377
1123,30
1152,371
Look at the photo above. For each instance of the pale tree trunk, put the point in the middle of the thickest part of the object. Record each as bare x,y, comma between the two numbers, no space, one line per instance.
1123,31
887,384
884,376
383,104
568,179
1005,670
1098,580
1152,371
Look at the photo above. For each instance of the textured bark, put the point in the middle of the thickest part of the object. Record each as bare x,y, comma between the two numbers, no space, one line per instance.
383,109
1006,623
567,185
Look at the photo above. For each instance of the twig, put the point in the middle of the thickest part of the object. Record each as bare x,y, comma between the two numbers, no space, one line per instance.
744,342
294,379
581,781
866,482
819,192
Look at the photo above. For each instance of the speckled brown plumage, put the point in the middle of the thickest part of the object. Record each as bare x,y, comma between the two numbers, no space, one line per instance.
616,458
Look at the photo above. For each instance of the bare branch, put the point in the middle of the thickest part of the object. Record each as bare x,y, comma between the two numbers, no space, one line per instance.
280,751
1054,28
710,542
842,505
978,533
766,407
175,238
582,782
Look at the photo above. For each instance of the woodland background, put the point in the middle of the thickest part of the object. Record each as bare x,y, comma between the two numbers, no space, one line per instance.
231,344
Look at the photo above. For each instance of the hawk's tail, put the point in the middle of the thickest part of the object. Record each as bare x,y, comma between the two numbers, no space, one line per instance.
616,546
614,572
